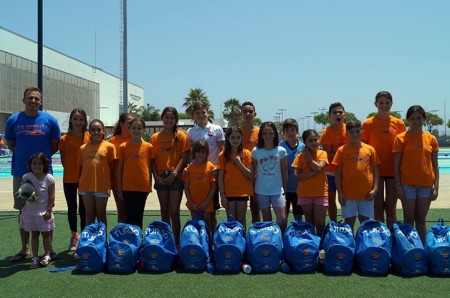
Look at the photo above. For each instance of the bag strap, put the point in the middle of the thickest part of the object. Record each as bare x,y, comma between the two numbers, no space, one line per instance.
60,269
440,222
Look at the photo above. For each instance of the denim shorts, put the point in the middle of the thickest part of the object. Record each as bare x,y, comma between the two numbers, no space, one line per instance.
265,201
95,194
416,191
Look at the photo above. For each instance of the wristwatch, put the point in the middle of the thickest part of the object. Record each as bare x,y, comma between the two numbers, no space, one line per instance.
174,173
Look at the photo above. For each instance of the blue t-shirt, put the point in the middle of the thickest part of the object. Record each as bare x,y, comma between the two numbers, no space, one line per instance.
30,135
291,154
269,180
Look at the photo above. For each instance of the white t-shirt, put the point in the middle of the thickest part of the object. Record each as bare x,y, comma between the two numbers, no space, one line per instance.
269,180
213,134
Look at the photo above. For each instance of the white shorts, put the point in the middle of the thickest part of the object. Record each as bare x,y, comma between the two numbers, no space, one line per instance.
357,207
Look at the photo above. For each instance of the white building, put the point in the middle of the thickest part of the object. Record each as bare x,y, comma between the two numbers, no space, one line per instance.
68,83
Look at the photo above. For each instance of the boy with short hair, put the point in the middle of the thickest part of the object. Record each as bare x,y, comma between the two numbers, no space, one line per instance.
293,147
249,141
356,176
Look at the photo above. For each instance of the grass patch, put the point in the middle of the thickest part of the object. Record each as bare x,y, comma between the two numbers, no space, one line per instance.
16,280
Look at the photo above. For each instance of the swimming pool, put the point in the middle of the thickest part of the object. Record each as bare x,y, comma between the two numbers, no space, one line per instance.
5,163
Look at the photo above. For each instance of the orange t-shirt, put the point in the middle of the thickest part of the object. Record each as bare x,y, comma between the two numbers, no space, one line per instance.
357,169
317,185
333,139
250,138
234,181
136,166
117,140
416,167
167,153
69,146
380,134
95,172
200,178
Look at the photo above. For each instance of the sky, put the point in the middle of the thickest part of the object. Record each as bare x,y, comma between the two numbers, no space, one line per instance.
290,56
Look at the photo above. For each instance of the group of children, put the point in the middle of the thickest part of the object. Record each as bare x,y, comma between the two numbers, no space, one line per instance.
363,164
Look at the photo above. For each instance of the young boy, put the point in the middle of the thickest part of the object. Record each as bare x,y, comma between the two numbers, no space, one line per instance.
214,136
356,176
293,147
250,141
379,132
333,137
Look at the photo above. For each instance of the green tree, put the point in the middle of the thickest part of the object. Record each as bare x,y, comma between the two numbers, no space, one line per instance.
232,111
133,108
150,113
393,113
322,118
194,95
431,121
184,116
257,121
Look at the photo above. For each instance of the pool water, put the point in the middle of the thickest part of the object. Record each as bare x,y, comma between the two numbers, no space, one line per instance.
5,163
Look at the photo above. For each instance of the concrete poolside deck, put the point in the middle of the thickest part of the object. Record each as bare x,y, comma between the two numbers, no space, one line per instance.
6,197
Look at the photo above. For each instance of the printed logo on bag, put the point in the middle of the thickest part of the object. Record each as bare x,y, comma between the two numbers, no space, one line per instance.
270,228
341,229
375,256
228,239
192,252
154,241
154,255
412,234
194,239
444,254
85,256
417,257
120,252
228,255
265,237
127,230
340,256
155,230
266,253
306,252
378,230
227,230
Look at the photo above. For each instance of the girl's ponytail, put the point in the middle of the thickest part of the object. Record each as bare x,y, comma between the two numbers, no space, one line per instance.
175,133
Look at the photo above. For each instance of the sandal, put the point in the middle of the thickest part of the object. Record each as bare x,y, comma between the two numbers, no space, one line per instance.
34,263
45,261
19,257
53,255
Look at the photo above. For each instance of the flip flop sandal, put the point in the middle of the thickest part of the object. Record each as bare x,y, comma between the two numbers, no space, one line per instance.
18,257
45,261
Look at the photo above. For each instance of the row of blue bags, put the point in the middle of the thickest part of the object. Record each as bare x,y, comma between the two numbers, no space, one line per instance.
373,249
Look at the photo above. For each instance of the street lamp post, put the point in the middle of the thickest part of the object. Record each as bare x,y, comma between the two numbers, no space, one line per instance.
281,112
445,123
302,121
307,121
314,114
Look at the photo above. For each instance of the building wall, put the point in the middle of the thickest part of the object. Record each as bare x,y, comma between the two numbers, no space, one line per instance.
68,82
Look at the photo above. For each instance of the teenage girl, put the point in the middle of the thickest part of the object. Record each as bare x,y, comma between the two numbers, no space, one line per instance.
37,217
69,146
200,185
312,188
96,160
333,137
235,175
121,134
380,131
269,161
134,178
416,170
172,150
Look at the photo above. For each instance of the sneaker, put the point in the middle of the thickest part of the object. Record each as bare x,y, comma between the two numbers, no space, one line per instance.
74,243
34,263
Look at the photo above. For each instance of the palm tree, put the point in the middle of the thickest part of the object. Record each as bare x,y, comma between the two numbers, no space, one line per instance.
133,108
232,111
194,95
150,113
